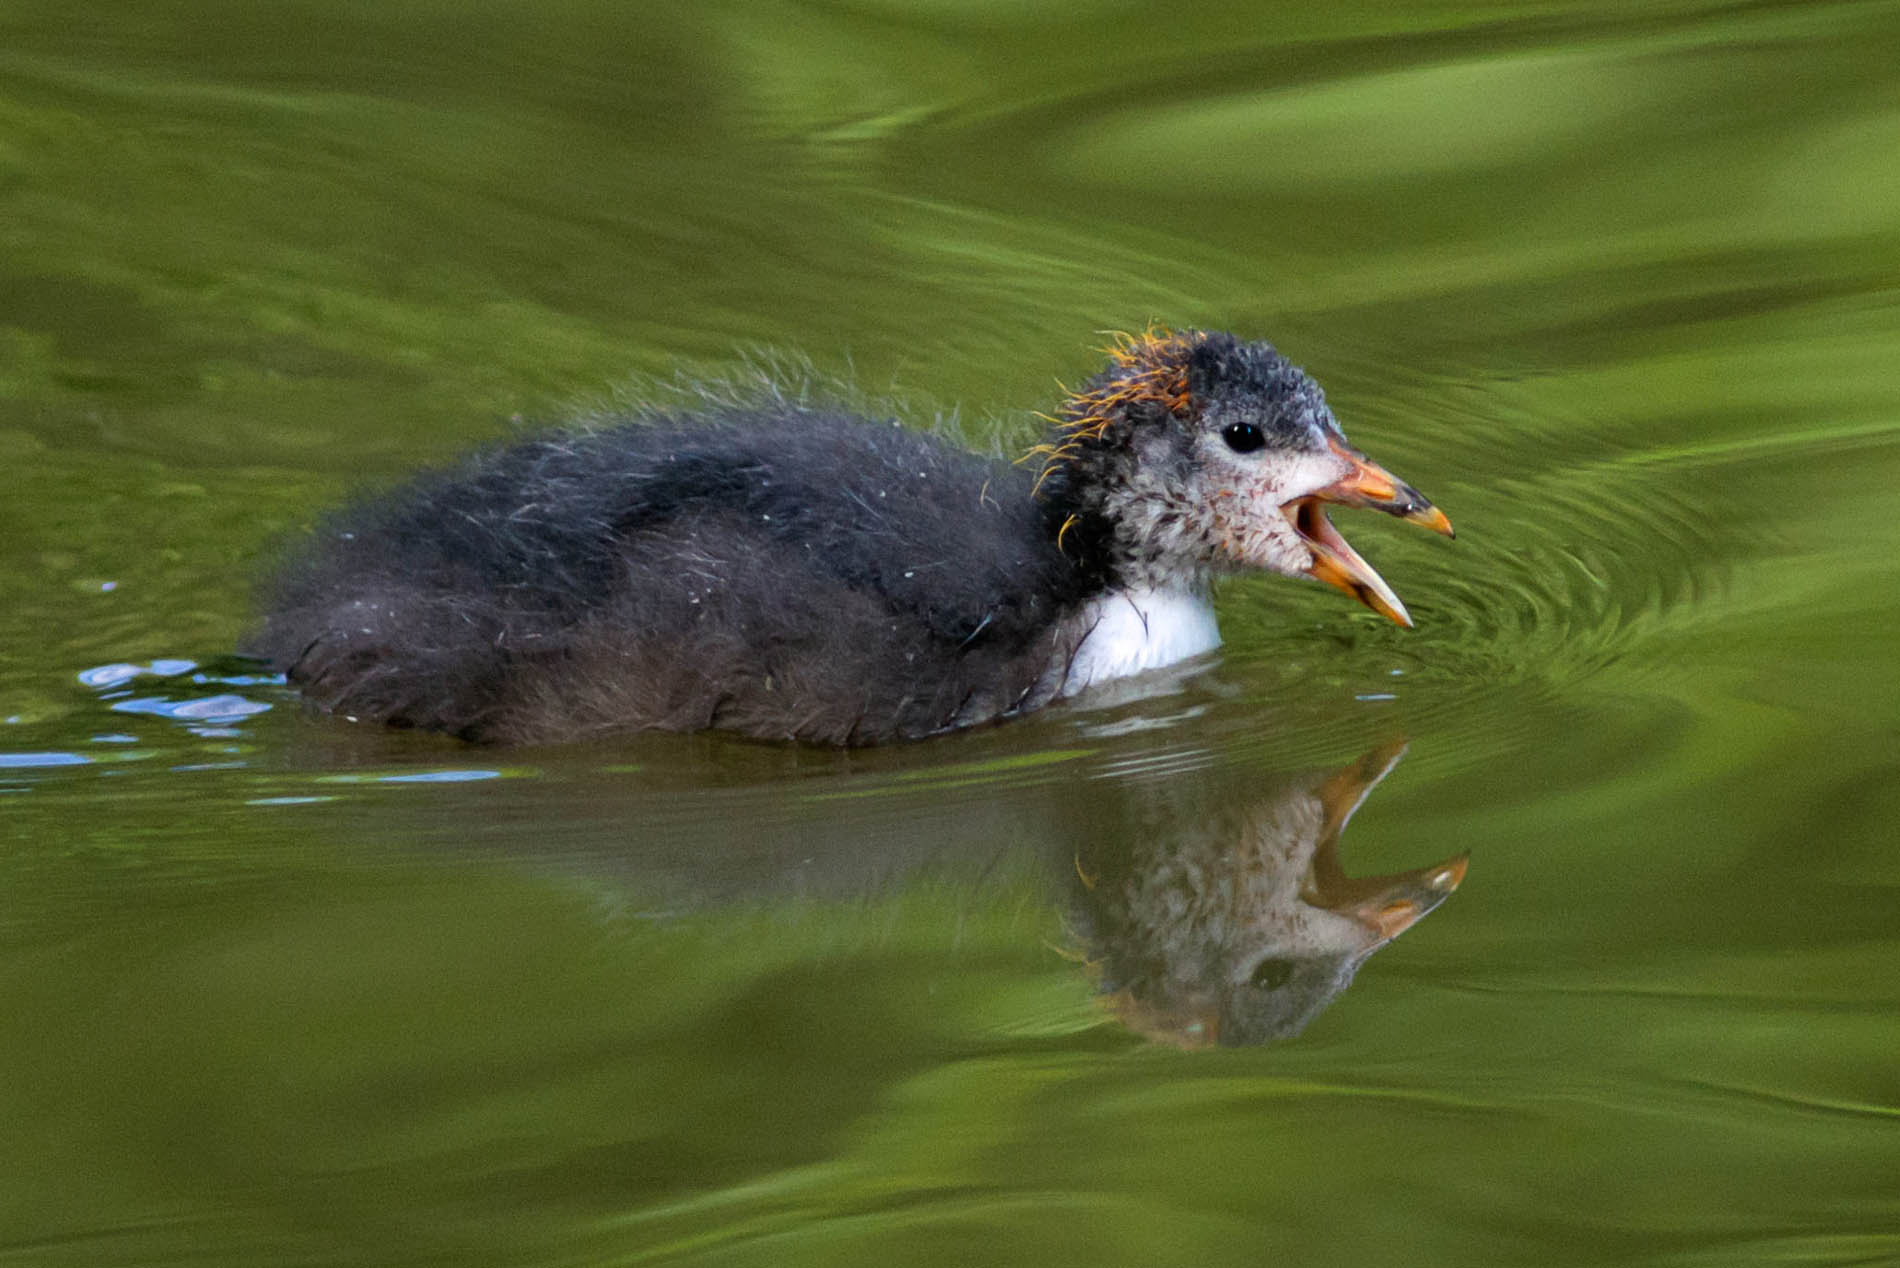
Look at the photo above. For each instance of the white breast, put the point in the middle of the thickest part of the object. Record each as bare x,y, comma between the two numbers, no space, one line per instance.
1133,630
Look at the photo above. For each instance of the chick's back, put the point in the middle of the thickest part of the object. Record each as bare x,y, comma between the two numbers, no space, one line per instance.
781,573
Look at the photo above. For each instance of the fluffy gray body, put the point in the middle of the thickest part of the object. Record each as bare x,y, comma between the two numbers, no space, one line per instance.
776,571
790,572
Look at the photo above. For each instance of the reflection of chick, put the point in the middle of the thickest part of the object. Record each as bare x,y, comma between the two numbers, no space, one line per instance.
1234,923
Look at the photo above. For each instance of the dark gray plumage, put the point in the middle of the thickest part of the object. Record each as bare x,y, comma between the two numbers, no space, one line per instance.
778,572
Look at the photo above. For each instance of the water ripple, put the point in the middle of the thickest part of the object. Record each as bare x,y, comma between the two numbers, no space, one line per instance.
192,693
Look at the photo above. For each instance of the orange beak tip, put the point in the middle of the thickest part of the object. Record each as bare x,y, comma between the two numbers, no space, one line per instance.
1437,521
1451,875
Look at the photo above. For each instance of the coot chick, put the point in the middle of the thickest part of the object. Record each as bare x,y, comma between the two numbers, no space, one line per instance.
792,572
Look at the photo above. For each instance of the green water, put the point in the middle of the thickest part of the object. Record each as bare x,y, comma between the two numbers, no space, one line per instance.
1618,285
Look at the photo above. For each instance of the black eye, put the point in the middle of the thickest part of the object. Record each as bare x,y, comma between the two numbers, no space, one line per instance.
1271,975
1243,437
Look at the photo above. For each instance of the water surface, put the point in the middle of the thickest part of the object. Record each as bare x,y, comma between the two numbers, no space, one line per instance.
1618,285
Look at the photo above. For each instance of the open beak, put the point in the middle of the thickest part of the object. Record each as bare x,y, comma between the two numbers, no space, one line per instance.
1338,564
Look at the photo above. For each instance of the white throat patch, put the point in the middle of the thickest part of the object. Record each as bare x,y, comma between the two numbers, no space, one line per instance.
1134,630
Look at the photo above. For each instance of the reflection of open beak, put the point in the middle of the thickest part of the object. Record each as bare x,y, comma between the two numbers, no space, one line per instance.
1386,905
1338,564
1402,899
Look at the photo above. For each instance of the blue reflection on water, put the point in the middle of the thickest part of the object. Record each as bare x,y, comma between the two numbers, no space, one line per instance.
214,709
103,677
203,715
30,761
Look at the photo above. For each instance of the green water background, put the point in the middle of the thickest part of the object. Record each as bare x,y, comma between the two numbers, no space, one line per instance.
1618,285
